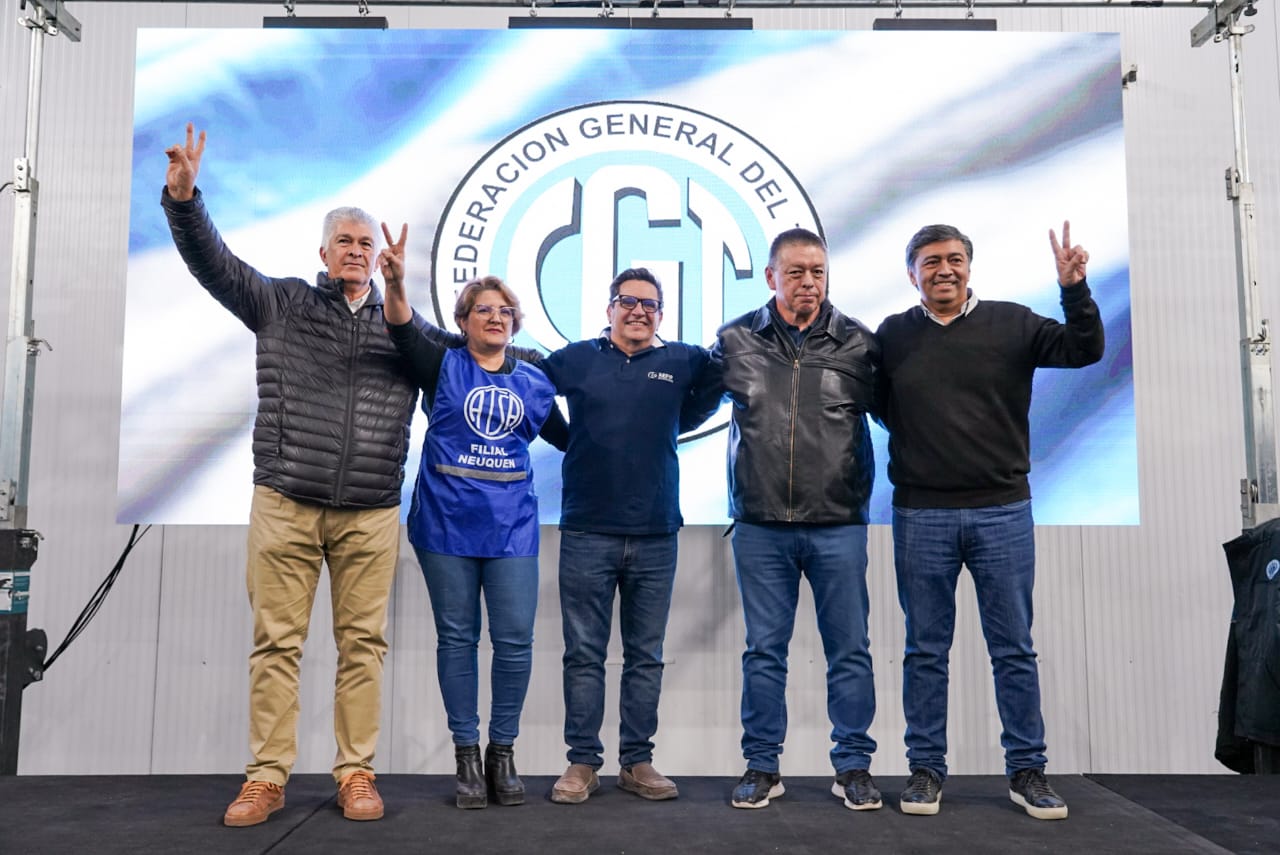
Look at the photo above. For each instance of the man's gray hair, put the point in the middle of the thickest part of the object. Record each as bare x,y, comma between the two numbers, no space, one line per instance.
338,216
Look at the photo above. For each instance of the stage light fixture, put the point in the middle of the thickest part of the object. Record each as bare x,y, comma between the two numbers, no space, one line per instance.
361,21
987,24
647,22
328,22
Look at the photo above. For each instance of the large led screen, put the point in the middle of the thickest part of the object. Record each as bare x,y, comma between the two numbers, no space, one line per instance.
554,158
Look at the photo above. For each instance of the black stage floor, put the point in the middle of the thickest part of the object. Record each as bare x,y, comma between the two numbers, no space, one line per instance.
42,815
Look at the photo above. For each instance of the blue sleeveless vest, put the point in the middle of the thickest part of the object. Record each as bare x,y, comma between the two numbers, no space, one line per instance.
474,495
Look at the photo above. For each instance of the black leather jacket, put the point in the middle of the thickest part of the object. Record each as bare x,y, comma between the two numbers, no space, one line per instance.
334,396
799,447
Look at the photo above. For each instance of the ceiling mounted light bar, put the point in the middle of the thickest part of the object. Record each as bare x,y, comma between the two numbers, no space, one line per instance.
626,23
364,21
328,22
968,22
933,24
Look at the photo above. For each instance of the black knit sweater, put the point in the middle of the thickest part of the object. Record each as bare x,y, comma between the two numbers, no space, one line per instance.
956,398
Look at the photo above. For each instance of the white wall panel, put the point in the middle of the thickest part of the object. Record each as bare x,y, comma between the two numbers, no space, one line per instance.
888,637
698,716
206,633
413,713
1131,622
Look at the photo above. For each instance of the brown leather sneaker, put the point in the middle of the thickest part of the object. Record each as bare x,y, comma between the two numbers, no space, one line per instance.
647,782
358,797
257,801
573,787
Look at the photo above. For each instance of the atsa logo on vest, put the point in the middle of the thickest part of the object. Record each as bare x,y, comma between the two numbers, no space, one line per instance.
558,207
492,412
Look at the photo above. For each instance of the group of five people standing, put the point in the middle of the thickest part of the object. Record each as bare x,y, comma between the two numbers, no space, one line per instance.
338,372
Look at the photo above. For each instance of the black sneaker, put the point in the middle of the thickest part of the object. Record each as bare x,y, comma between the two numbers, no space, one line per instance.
857,789
1030,788
923,795
755,788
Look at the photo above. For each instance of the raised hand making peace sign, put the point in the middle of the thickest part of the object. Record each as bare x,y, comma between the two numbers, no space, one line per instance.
396,307
184,164
1071,260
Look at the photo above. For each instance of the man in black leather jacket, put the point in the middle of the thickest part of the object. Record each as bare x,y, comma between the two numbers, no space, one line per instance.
329,444
801,378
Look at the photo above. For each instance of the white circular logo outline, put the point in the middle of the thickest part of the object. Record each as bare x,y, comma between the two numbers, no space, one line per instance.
522,159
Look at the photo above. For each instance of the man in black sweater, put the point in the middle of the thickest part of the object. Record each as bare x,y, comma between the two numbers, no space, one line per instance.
955,393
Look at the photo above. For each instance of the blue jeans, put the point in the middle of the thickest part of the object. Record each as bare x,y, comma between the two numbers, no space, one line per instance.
997,544
770,559
642,570
510,587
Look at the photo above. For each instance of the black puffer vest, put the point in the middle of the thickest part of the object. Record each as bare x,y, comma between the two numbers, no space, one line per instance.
334,398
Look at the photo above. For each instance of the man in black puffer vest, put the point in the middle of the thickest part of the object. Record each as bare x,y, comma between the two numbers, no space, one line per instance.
329,444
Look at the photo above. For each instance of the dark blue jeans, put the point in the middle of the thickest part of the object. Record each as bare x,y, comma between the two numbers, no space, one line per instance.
641,569
510,587
997,544
770,559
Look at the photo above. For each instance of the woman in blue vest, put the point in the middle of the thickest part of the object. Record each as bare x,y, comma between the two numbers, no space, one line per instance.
474,518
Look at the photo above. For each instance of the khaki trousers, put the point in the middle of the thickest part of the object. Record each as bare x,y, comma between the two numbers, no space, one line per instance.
289,541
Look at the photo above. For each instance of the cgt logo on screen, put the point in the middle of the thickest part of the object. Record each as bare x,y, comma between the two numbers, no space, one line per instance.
561,205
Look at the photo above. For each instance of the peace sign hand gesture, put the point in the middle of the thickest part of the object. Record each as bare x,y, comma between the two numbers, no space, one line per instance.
184,164
1071,260
396,308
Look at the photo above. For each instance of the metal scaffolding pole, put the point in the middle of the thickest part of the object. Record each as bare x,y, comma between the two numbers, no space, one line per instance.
17,542
1259,496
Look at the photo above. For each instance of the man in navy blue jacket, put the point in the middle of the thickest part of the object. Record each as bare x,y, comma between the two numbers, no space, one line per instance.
630,396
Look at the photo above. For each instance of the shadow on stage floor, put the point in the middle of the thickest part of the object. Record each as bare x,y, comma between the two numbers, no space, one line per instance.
182,813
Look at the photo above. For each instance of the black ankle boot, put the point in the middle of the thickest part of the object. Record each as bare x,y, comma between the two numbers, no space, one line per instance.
500,771
471,787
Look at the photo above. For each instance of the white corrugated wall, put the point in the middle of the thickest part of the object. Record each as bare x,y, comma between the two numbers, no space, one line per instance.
1131,621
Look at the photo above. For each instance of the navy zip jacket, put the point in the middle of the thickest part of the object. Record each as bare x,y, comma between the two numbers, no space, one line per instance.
621,472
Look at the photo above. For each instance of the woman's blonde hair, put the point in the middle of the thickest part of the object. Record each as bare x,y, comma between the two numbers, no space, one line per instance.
467,298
